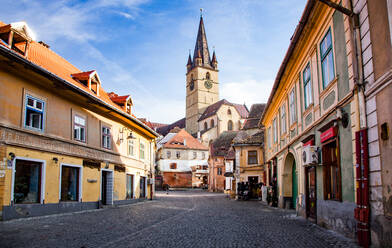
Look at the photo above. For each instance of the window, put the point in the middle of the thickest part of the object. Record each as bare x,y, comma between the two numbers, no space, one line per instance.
230,125
173,166
203,155
131,148
229,111
69,183
269,137
79,128
252,157
219,171
331,171
205,126
106,137
34,113
208,76
168,154
283,119
141,150
307,86
178,154
327,65
129,186
194,155
212,123
293,114
275,129
27,182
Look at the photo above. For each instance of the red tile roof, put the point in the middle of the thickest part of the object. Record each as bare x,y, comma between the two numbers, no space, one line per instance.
190,143
47,59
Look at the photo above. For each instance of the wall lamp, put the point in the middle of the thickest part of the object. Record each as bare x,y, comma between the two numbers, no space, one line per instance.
343,116
11,156
55,160
130,135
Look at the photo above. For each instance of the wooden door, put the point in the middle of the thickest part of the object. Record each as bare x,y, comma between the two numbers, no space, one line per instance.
311,196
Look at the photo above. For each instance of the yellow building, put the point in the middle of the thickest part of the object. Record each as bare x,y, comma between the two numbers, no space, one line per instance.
65,144
311,120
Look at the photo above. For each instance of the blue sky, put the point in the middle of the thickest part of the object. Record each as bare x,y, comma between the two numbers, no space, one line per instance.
140,47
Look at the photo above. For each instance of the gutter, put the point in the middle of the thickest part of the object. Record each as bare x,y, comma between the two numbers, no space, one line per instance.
13,55
294,40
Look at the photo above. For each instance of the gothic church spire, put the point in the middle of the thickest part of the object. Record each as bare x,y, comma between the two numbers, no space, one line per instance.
201,46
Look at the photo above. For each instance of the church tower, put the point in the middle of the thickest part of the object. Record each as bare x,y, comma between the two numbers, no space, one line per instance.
202,87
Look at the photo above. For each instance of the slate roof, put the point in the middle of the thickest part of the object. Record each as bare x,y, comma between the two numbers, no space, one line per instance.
213,108
184,140
221,145
166,129
256,110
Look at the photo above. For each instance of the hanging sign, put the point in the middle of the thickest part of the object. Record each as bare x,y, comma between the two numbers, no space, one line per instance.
328,134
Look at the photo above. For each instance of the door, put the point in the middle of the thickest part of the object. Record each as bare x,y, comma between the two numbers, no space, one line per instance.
253,184
142,187
104,182
129,187
294,185
107,188
311,197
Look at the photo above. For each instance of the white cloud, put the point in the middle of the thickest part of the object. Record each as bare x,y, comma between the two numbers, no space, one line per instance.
126,15
249,92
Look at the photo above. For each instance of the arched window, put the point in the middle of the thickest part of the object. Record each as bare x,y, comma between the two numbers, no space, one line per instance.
205,126
229,111
208,75
212,123
230,125
191,77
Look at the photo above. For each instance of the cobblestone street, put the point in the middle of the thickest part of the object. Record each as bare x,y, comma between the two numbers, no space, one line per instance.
180,219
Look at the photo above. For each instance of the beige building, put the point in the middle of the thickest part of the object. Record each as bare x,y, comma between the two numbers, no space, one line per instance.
65,144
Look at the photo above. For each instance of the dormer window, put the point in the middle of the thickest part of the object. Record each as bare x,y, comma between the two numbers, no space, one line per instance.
17,36
89,79
125,102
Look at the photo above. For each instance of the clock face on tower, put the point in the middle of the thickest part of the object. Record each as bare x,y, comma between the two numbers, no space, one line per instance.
192,85
208,84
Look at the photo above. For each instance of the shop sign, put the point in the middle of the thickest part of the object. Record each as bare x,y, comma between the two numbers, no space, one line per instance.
328,134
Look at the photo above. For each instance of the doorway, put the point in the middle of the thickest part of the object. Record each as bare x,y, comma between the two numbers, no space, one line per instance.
253,185
294,185
311,197
107,187
142,187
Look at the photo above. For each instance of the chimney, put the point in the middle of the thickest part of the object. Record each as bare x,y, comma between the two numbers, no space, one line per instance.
44,44
184,142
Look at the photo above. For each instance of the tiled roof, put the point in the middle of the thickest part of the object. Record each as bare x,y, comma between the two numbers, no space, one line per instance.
249,137
85,74
166,129
230,154
256,110
213,108
222,144
242,110
47,59
184,140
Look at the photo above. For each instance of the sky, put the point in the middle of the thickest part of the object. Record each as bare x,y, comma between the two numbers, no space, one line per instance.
140,47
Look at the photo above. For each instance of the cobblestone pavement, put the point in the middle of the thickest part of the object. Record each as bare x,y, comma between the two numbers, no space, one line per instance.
180,219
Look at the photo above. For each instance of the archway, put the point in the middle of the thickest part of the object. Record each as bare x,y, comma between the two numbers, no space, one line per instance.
290,181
